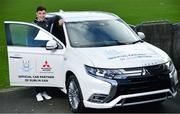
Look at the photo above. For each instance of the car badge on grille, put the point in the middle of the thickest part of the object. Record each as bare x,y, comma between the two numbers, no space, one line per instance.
145,72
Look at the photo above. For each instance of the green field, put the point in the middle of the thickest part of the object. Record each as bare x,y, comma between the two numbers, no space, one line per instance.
132,11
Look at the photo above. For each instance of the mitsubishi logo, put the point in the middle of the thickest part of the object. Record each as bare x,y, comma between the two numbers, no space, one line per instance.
46,67
46,64
145,72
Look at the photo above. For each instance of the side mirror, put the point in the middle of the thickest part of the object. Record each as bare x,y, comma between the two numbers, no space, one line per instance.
141,35
51,45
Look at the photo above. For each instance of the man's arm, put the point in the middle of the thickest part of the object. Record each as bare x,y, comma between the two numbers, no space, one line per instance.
55,19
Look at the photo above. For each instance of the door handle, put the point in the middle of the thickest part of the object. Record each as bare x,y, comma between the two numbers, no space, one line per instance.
14,57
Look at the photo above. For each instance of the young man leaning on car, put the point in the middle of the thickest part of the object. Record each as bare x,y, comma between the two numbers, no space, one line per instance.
45,23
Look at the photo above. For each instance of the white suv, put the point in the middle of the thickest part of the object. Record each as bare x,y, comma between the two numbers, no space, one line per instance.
96,58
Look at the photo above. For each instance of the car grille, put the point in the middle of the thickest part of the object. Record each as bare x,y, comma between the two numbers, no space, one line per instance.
156,79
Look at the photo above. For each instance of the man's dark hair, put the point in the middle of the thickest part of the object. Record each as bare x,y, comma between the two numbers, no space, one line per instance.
40,8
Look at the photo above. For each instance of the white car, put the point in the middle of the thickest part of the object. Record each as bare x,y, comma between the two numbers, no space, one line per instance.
96,58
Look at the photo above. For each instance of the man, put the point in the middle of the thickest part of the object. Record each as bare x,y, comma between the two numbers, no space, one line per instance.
45,23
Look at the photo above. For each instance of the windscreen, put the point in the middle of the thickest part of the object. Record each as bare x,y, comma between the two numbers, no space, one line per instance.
100,33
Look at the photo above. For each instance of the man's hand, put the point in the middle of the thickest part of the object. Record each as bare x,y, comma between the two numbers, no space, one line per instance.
61,22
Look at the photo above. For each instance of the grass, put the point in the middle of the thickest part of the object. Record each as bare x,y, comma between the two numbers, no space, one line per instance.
132,11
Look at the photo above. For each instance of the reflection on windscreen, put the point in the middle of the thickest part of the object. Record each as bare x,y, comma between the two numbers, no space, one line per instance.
100,33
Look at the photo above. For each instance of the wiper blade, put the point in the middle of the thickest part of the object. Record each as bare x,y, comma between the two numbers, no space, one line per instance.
136,42
115,44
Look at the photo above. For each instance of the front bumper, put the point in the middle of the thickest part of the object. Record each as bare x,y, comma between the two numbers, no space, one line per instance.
120,101
155,85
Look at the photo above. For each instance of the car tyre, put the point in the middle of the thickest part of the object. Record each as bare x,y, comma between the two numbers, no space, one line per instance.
74,93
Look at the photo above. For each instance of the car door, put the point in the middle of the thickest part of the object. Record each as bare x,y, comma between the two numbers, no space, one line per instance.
30,63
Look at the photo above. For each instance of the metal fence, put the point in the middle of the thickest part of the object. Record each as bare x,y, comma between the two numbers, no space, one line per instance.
164,35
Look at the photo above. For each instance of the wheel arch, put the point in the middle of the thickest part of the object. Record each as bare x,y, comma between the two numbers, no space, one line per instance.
68,74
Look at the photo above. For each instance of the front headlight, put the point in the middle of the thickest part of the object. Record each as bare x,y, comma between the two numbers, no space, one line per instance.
100,72
173,73
170,66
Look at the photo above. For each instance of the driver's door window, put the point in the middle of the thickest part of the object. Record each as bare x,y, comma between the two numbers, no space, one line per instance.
28,36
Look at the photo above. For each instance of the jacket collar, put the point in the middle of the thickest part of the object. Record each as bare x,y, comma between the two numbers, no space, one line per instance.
36,20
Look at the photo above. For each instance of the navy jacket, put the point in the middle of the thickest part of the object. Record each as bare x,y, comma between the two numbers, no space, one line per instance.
33,32
47,22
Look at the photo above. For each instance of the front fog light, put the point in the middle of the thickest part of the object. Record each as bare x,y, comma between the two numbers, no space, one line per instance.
97,98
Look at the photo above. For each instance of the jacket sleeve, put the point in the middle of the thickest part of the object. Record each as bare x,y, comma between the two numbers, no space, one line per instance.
54,19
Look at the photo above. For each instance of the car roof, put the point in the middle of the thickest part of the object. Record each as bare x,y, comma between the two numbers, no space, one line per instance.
74,16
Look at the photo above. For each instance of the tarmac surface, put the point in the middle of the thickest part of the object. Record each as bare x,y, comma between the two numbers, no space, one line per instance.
23,100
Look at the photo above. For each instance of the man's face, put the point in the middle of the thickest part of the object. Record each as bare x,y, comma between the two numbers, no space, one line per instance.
41,15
